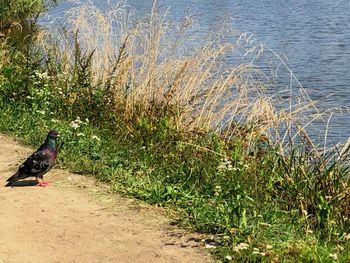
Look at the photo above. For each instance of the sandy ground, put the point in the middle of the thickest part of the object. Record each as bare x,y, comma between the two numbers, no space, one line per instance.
76,220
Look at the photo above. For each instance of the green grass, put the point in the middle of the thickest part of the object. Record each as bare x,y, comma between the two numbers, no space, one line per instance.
210,196
255,202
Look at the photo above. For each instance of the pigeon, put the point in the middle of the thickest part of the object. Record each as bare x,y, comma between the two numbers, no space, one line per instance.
40,162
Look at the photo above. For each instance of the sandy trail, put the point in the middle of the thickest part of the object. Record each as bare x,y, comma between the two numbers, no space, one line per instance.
75,220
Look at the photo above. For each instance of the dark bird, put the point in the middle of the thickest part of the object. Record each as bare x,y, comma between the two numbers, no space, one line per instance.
40,162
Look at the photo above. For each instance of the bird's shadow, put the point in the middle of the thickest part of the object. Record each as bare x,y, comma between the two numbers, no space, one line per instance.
24,183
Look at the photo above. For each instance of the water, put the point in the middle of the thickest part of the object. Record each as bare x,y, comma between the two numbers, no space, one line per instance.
313,35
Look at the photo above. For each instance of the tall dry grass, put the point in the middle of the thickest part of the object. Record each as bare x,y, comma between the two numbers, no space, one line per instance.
148,70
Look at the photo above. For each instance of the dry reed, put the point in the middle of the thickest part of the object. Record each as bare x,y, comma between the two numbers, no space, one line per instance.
146,66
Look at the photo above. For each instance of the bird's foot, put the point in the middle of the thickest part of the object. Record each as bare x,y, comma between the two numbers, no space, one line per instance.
43,184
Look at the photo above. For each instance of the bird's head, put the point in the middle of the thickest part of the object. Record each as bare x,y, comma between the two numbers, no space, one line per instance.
53,134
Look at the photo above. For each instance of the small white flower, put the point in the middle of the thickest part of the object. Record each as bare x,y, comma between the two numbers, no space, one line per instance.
228,257
80,134
42,75
94,137
334,256
225,165
217,190
77,120
74,125
241,246
244,245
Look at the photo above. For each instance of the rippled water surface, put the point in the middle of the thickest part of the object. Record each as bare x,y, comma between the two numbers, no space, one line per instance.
313,35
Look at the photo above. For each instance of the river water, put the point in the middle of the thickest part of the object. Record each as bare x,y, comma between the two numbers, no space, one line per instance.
313,36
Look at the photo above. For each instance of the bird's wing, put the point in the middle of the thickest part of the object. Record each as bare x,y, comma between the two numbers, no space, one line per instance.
42,147
37,163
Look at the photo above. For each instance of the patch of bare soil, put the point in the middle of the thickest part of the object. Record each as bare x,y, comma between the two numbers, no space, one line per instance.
74,219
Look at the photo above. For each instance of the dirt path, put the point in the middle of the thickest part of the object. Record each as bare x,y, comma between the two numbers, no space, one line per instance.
73,220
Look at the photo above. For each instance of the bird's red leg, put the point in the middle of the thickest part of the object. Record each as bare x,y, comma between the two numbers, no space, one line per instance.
41,182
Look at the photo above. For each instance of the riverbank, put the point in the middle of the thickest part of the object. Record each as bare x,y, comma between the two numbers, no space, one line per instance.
179,131
256,201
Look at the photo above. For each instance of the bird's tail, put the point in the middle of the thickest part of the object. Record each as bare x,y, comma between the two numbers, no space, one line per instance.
12,179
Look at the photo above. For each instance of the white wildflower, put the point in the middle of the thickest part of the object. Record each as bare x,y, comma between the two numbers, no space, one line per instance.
333,256
42,75
217,190
225,165
341,248
77,120
94,137
60,92
256,251
240,246
74,125
228,257
80,134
